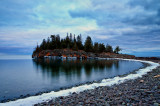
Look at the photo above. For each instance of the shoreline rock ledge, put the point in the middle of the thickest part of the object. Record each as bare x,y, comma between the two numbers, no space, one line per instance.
69,53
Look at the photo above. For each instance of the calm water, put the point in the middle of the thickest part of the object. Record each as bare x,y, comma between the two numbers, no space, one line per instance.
22,77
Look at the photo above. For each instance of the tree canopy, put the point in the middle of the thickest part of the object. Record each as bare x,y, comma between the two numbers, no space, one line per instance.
74,43
117,50
88,46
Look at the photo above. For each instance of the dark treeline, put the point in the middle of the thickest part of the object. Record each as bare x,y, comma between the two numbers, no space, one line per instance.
74,43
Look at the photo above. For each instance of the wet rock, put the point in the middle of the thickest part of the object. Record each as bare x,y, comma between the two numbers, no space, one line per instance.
61,97
141,81
156,104
141,91
158,101
123,103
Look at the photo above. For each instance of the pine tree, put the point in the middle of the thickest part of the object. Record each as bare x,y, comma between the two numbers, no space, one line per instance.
67,41
37,49
74,38
96,47
88,46
117,50
101,47
109,48
48,45
63,43
53,42
58,42
43,45
75,46
70,37
79,42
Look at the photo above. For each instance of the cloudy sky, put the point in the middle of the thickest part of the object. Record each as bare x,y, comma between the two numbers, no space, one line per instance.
134,25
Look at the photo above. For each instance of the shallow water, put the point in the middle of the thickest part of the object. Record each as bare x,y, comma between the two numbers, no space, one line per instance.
22,77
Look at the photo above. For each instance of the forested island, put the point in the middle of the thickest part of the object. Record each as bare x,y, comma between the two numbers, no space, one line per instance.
72,46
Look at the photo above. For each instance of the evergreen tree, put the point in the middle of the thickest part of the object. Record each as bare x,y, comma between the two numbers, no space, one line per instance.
48,45
37,49
74,38
43,45
109,48
79,42
88,46
75,46
67,42
71,42
53,42
63,44
70,37
58,42
101,47
117,50
96,47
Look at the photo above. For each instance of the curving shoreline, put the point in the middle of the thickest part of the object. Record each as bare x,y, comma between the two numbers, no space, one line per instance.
116,64
144,90
107,82
141,91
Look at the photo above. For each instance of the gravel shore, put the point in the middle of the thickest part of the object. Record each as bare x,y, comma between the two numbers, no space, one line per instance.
141,91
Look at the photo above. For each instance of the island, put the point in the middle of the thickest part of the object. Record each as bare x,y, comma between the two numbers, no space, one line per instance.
71,47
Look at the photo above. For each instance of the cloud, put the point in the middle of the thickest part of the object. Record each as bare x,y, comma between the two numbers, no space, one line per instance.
132,24
102,37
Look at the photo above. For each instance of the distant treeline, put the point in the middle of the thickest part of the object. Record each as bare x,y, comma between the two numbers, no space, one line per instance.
74,43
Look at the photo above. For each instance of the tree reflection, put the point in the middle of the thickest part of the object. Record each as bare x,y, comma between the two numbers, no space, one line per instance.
73,68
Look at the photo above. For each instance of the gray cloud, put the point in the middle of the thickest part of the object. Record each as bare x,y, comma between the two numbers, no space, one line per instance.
132,24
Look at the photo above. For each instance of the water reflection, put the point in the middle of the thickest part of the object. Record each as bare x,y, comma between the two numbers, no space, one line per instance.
24,77
71,69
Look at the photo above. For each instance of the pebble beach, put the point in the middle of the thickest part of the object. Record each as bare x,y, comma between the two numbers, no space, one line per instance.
141,91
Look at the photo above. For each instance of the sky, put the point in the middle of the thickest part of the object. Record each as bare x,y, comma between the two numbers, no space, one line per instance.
134,25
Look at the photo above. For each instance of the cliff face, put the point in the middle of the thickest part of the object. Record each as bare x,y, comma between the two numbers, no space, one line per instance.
78,54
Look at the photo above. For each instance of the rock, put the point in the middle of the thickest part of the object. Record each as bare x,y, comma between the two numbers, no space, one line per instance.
27,95
141,91
61,97
128,104
80,103
155,87
141,81
156,104
127,100
107,104
123,103
156,76
158,101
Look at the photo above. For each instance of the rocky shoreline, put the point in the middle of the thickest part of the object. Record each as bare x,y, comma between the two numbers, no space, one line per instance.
80,54
141,91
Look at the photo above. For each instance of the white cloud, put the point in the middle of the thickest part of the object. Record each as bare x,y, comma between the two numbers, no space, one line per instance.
109,21
103,37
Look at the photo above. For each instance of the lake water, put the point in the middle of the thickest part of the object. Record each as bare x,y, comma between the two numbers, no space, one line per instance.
22,77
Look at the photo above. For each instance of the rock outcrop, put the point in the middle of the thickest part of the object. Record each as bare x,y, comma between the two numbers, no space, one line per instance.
78,54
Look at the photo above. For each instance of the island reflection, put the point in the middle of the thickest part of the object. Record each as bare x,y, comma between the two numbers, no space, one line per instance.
74,68
44,75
